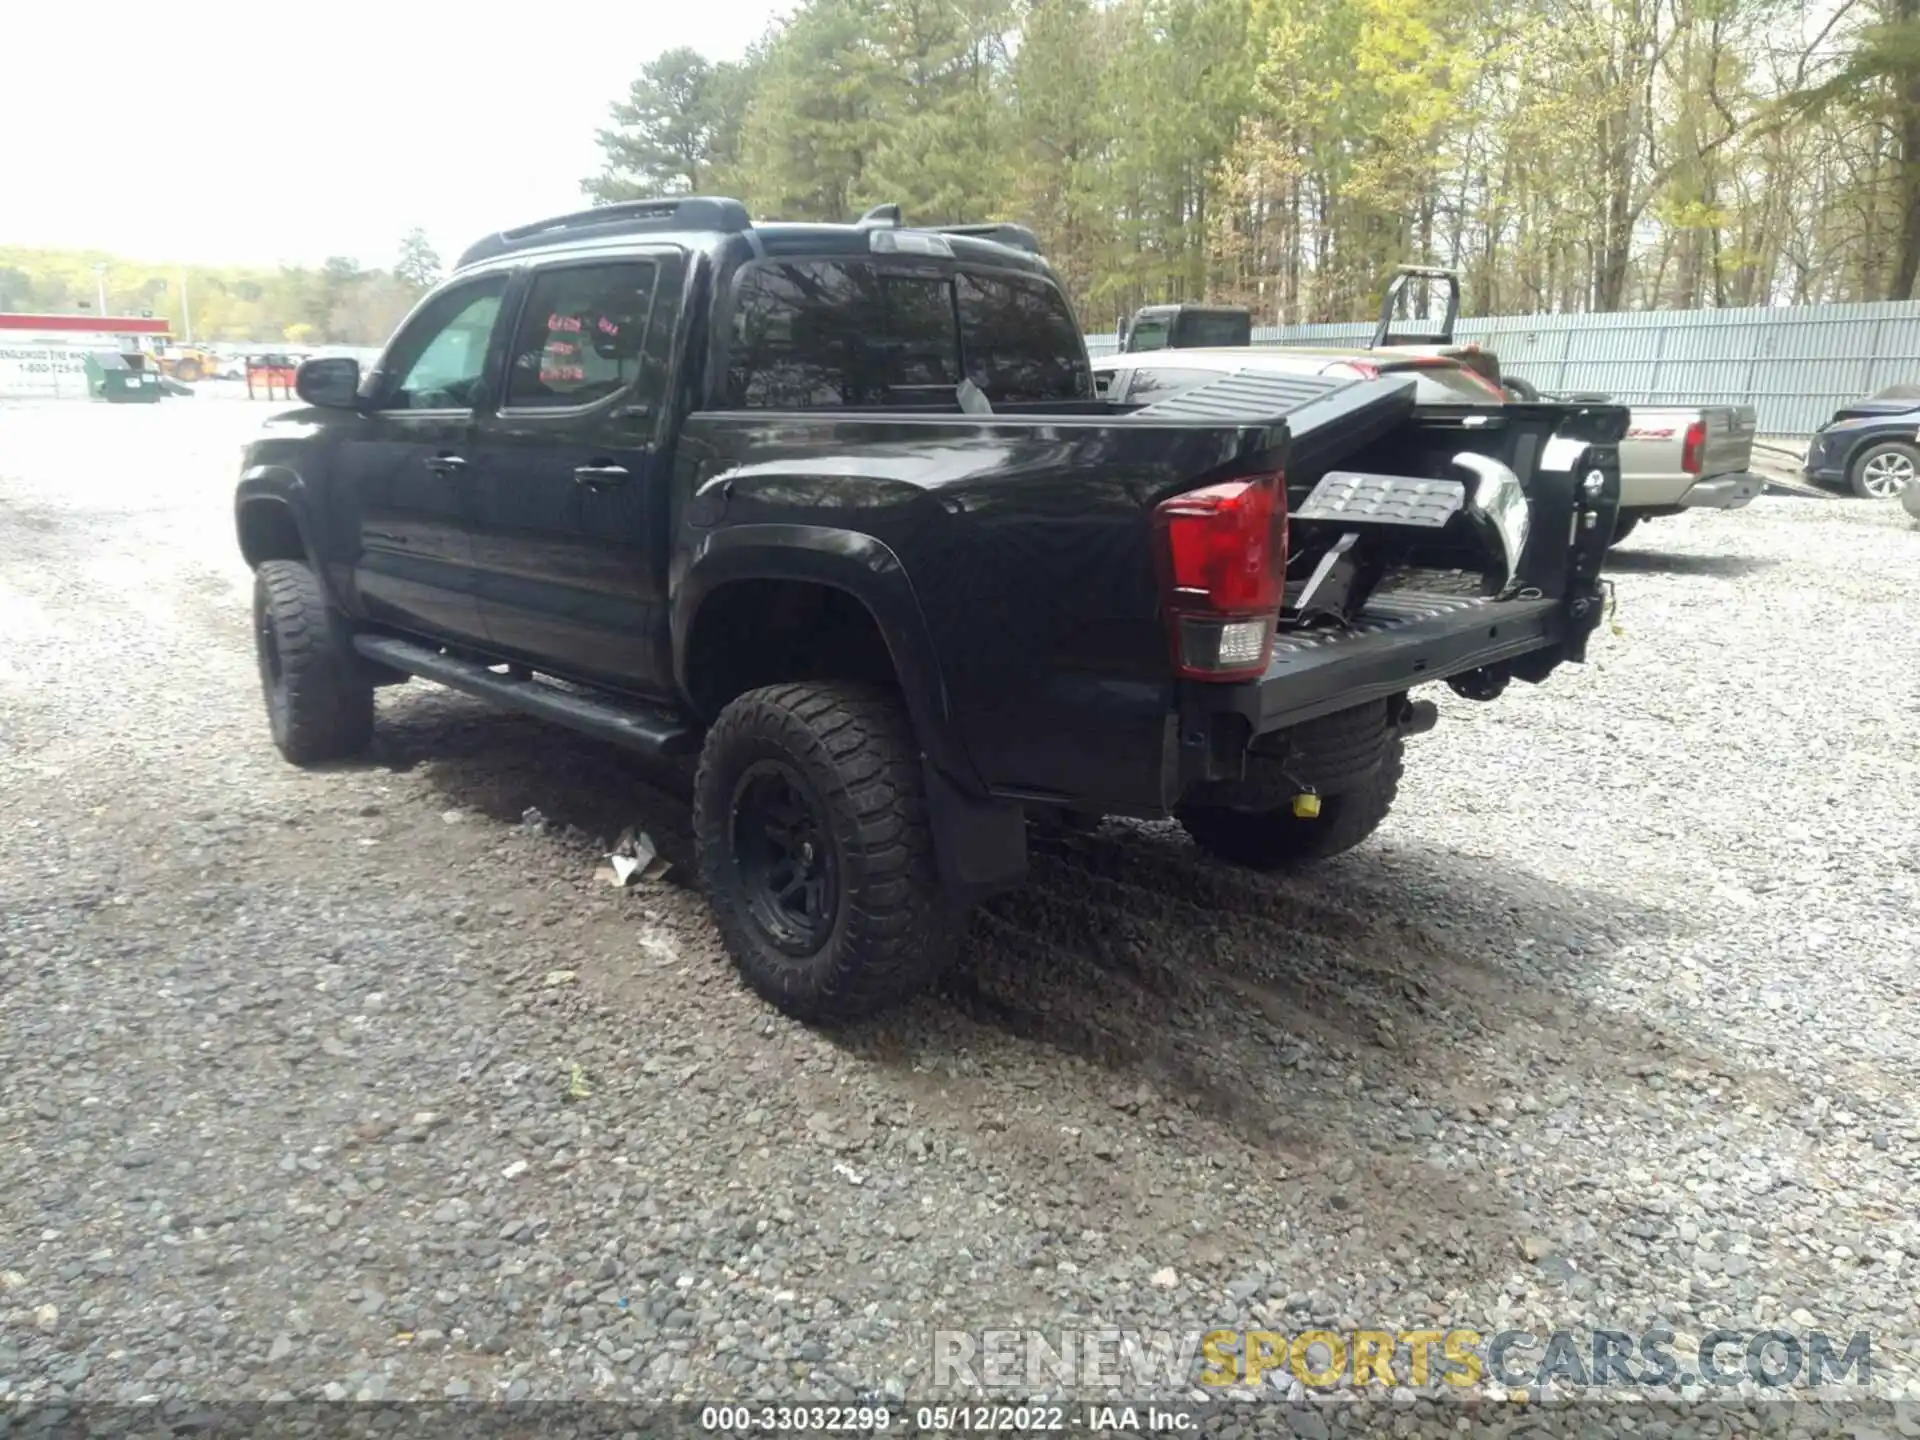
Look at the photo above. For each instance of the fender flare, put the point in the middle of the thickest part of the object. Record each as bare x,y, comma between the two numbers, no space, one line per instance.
860,566
280,487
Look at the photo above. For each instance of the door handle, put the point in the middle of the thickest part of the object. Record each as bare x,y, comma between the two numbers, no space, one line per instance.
599,474
446,464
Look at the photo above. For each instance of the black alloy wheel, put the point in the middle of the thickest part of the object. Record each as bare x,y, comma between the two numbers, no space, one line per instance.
789,874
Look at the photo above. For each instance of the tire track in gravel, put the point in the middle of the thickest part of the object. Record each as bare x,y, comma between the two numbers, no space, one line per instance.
1127,951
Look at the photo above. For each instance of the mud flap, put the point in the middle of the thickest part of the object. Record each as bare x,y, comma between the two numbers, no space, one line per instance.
980,845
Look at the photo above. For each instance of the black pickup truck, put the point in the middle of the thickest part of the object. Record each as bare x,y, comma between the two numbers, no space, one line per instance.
835,507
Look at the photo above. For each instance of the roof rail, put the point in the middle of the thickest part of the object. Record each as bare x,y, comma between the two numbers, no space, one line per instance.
1015,237
882,215
625,217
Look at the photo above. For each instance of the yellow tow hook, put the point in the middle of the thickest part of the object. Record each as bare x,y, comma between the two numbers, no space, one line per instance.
1306,806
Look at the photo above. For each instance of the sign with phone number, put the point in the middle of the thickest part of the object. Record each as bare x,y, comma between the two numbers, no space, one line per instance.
41,370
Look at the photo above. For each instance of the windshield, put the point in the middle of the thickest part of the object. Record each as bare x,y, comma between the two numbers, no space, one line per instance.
1148,335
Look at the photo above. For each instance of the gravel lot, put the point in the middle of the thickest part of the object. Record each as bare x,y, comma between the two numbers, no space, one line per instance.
354,1084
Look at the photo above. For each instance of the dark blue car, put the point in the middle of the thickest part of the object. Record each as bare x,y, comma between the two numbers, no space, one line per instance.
1871,446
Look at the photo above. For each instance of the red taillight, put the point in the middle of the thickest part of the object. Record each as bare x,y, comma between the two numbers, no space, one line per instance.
1693,447
1223,565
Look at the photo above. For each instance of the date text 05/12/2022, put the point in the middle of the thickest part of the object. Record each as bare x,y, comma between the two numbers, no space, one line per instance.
947,1419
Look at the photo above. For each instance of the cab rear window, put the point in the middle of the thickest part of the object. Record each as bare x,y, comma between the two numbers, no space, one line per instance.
1199,330
838,334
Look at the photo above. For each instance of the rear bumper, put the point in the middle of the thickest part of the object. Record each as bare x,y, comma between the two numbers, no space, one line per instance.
1725,492
1399,641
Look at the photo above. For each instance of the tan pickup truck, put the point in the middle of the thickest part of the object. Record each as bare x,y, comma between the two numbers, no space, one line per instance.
1677,457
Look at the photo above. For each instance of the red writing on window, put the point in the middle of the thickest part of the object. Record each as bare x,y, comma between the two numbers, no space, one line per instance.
562,347
550,373
607,327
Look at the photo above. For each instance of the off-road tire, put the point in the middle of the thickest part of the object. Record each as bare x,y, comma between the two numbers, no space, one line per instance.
319,700
850,752
1884,450
1623,526
1277,839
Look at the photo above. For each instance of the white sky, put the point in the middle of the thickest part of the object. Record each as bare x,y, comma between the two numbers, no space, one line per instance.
264,131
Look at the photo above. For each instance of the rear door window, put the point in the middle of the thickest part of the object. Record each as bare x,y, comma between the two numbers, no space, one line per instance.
1022,345
825,334
828,334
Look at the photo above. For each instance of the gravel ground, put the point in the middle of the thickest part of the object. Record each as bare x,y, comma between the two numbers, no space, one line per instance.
354,1084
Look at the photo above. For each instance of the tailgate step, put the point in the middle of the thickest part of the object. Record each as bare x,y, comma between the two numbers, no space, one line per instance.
654,732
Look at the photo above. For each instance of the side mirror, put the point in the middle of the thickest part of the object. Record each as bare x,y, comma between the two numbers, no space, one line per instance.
331,382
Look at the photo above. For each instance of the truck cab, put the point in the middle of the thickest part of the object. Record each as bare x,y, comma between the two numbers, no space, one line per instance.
1186,327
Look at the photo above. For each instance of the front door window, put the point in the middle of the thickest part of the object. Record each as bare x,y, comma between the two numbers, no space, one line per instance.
439,362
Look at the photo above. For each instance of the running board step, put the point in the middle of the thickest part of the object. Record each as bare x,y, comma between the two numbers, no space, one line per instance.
656,732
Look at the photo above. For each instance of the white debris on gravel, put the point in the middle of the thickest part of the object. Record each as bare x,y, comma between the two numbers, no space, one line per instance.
1616,1021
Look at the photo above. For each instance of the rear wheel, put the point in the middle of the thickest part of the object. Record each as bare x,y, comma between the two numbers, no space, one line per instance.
1277,839
1353,762
319,699
1883,471
815,850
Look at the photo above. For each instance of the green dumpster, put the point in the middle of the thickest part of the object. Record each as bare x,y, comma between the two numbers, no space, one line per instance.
121,379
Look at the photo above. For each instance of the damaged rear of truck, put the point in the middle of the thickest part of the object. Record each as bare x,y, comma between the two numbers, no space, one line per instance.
1120,630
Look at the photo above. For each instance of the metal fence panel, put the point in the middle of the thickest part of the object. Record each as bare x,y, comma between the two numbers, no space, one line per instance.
1795,366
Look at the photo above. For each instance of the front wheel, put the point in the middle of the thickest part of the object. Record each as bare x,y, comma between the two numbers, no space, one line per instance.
815,850
319,700
1274,838
1883,471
